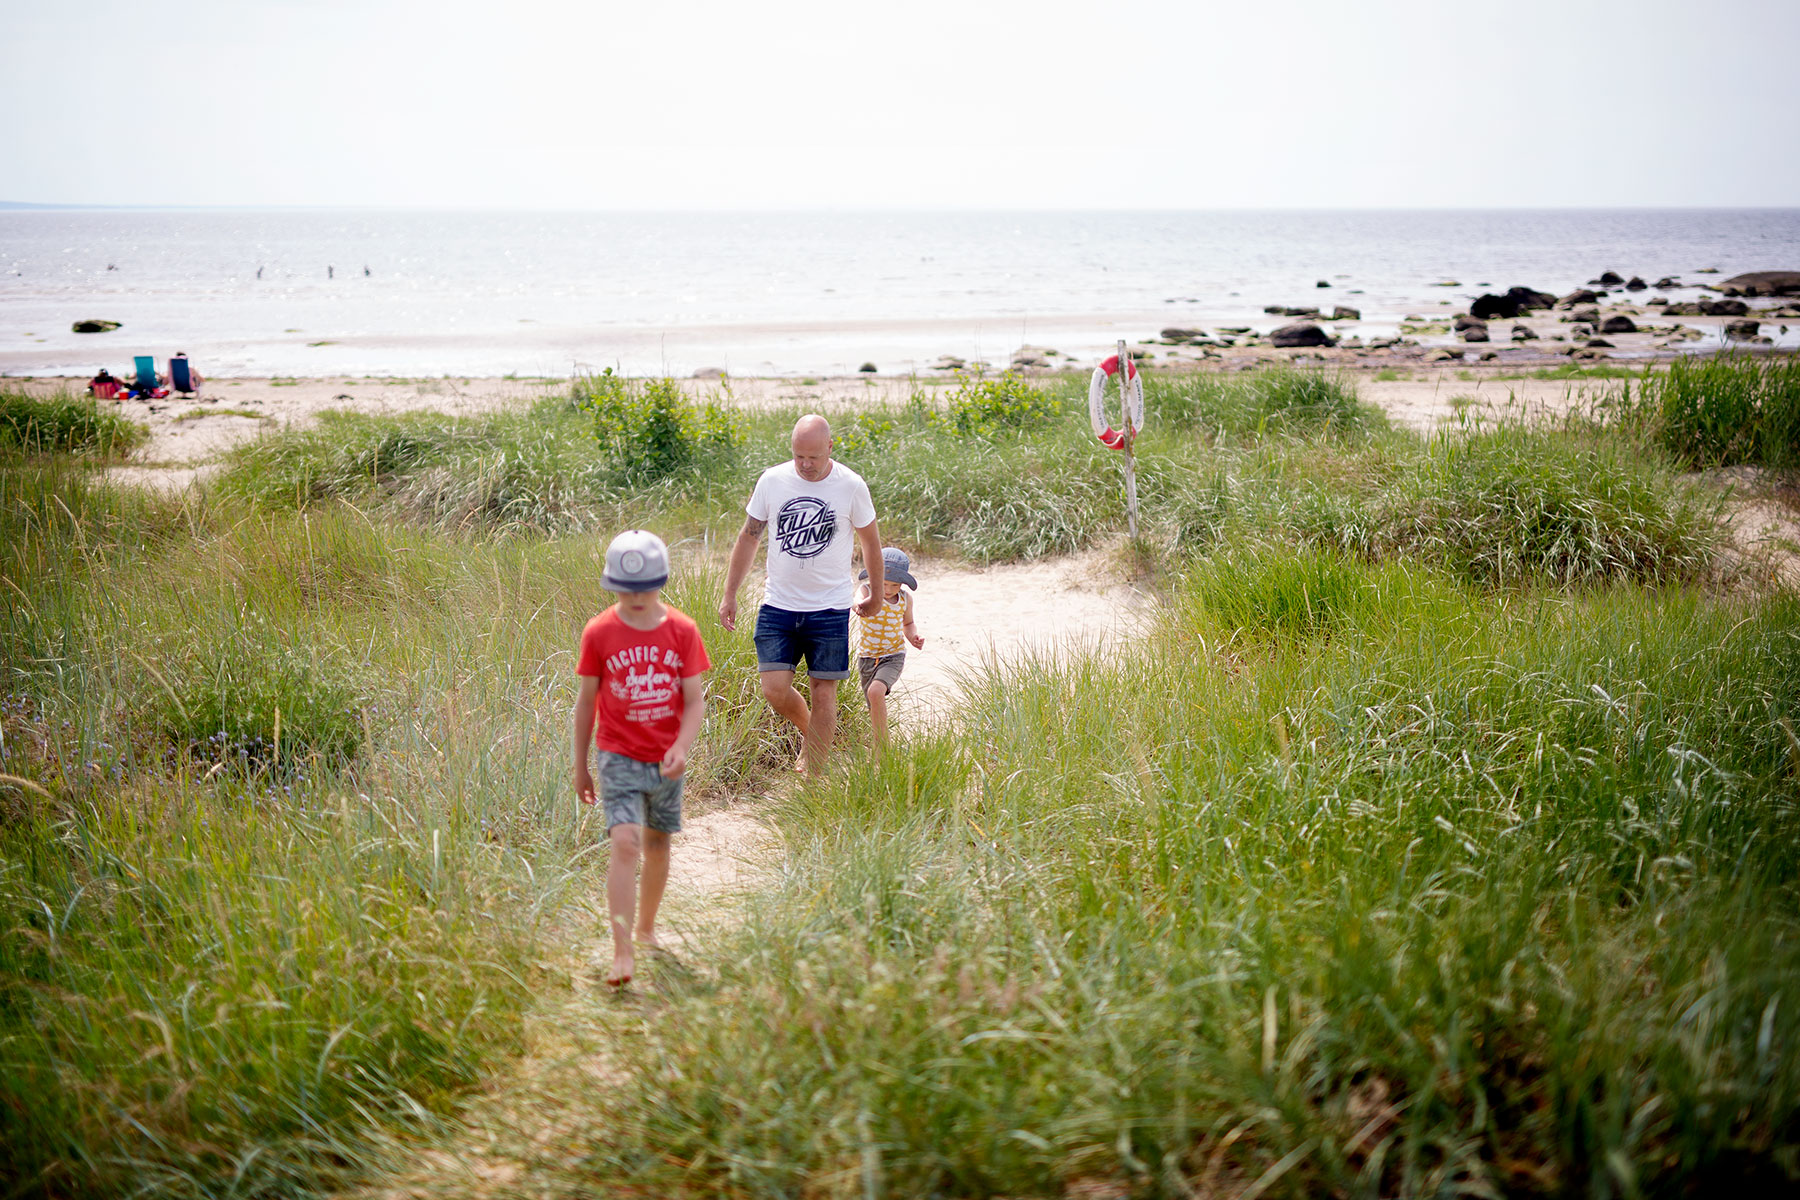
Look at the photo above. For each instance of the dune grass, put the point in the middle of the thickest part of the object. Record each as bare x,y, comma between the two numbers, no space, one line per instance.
283,808
1718,410
1437,837
1351,881
65,423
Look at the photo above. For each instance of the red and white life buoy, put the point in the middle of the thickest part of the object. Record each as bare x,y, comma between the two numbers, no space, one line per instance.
1133,409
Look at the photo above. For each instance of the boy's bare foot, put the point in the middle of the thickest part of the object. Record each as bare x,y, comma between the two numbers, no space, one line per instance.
620,975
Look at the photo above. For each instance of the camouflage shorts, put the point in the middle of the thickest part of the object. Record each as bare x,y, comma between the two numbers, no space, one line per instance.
635,793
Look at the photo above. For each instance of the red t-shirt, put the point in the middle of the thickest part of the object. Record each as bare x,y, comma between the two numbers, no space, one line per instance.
639,705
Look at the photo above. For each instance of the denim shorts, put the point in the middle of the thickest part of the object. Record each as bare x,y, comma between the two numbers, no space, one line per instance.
822,638
635,793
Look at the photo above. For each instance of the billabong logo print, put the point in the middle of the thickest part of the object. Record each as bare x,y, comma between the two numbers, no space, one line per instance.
804,526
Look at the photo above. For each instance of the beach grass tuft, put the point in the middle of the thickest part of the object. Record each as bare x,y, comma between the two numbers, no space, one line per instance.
65,423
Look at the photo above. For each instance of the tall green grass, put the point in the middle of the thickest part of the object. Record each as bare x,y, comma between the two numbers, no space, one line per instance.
294,815
1719,410
1422,893
65,423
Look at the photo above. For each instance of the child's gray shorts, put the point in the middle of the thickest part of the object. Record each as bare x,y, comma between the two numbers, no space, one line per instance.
635,793
887,669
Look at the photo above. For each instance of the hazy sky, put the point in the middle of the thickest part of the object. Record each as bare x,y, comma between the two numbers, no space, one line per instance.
961,104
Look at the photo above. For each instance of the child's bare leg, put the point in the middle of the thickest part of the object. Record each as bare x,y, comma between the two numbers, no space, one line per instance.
877,694
621,896
823,726
779,692
655,878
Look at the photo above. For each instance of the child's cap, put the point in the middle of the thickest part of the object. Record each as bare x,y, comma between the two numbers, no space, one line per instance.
636,561
895,566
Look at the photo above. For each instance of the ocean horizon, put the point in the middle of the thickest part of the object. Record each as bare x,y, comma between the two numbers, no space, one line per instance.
391,292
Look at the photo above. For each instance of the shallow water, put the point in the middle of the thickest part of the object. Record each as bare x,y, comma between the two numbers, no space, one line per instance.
492,293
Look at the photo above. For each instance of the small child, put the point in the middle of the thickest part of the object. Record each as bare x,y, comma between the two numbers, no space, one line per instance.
881,650
642,701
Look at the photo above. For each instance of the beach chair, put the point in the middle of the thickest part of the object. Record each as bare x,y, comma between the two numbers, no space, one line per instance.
182,376
148,384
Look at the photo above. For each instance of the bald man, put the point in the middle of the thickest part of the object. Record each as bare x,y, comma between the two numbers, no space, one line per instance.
814,505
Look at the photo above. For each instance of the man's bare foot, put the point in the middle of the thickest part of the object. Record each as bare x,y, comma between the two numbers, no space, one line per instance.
620,975
648,940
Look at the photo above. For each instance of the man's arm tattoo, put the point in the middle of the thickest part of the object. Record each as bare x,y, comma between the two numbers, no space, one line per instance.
754,527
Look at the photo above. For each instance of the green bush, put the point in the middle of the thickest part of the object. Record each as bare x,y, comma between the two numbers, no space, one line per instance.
650,430
65,424
1005,403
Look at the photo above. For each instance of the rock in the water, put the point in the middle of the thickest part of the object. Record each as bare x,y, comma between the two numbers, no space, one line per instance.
1515,303
1300,311
1724,308
1182,335
1323,283
1474,333
1467,321
1763,283
1587,314
948,362
1577,298
1618,323
1344,312
1599,344
1275,310
1635,284
1609,279
710,373
868,368
1443,354
1742,329
1668,281
1686,308
1523,333
1382,343
94,325
1302,333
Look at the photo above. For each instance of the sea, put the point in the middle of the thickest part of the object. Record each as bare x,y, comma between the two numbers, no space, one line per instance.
424,294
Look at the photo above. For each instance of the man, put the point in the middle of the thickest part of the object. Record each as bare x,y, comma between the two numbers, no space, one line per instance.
814,505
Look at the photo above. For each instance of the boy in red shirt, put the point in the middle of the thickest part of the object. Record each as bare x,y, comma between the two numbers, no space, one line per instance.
641,700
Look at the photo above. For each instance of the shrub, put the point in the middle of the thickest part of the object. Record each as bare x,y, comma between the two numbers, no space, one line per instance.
1006,403
65,424
651,430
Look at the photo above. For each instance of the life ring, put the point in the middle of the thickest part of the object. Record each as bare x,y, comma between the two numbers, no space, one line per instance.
1133,409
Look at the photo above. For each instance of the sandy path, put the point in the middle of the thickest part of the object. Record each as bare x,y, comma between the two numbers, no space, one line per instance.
969,615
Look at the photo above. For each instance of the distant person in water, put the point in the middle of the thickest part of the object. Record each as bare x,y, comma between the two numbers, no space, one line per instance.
815,510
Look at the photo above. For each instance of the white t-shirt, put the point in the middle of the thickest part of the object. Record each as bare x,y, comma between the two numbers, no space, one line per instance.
811,535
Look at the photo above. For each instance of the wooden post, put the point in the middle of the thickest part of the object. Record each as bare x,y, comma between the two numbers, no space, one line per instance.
1131,505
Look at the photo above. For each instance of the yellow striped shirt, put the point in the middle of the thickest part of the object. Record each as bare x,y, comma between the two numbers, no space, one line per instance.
885,632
